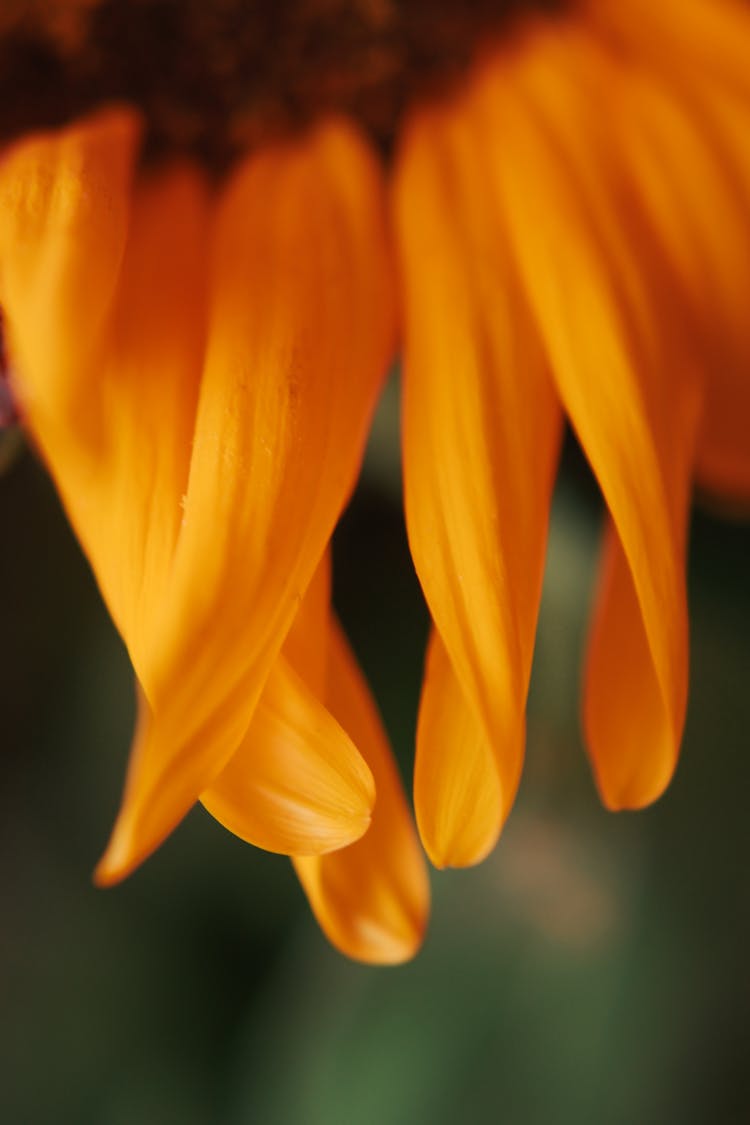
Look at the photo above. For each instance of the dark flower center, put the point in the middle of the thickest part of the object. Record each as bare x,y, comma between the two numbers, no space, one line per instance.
215,77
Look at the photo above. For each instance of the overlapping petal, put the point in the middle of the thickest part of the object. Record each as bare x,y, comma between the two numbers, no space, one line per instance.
299,336
120,454
683,110
296,784
372,898
200,376
594,286
701,220
706,39
481,429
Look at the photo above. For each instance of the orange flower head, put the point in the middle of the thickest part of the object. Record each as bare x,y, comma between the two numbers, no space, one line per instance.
545,209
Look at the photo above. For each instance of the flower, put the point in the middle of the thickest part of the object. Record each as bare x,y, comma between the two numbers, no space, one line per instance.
564,233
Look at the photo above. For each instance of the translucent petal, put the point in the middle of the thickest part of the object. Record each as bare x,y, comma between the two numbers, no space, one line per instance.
372,898
481,428
456,783
300,331
682,120
613,337
64,214
296,784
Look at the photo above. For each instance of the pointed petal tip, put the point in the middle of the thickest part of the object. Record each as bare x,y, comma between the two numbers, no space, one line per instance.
117,862
129,846
132,841
345,826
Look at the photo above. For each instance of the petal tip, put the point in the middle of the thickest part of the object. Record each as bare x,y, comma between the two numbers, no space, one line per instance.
127,849
115,865
638,789
378,942
349,829
398,950
461,849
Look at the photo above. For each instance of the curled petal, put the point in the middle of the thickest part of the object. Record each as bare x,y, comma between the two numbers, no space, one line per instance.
372,898
122,462
457,792
296,784
300,331
619,374
683,129
481,428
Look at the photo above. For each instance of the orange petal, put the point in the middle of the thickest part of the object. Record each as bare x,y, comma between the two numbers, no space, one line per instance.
124,475
685,128
457,790
307,642
372,898
723,450
481,429
117,434
703,38
296,784
627,384
64,210
300,334
723,457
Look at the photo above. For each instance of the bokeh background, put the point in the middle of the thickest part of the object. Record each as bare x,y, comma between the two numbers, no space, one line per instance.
594,969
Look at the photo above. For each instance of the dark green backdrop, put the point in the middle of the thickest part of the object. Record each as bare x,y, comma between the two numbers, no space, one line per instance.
594,970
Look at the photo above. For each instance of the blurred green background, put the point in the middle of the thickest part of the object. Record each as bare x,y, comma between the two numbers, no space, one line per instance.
594,969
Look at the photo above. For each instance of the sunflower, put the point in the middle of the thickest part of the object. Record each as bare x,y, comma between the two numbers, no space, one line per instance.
545,208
